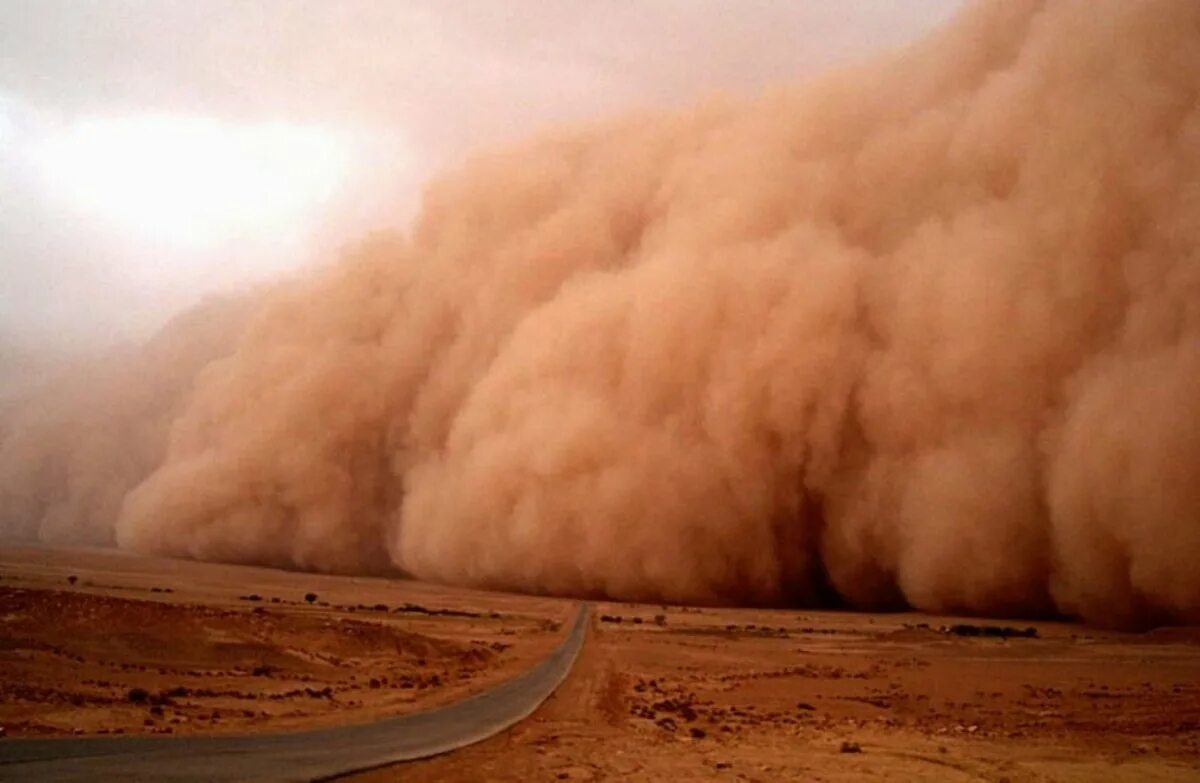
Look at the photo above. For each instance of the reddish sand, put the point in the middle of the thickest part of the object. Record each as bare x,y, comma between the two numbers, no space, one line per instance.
774,695
96,642
660,693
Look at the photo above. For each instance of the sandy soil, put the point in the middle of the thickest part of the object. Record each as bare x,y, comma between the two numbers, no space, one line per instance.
770,695
96,642
141,645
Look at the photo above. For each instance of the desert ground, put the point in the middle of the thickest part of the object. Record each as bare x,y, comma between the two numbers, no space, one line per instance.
100,642
705,694
97,642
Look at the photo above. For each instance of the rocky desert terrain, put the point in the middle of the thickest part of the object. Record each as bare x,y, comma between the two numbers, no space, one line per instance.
94,642
98,642
663,693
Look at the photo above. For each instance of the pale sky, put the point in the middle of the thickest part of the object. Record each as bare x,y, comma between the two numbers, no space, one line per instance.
152,151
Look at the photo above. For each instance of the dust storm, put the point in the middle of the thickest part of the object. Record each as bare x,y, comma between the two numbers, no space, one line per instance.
920,332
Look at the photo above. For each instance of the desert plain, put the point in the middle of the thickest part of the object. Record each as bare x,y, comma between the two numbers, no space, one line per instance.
96,642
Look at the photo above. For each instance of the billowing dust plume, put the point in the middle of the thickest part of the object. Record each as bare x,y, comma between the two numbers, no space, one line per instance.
71,452
924,332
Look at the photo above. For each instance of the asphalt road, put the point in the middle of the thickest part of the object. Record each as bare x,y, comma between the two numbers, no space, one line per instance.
296,756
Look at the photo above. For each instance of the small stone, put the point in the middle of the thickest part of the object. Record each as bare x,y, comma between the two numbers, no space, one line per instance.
850,747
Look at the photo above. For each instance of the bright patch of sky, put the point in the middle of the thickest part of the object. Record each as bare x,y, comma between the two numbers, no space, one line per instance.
193,181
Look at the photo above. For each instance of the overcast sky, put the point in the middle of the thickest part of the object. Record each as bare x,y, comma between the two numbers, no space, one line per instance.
155,150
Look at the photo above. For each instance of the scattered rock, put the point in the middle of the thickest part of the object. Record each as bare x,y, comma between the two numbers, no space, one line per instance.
138,695
310,597
995,631
409,608
850,747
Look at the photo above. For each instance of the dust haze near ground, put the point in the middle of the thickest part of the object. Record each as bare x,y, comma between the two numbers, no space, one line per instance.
923,332
70,452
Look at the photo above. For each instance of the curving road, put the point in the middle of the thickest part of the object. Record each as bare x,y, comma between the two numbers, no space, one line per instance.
297,756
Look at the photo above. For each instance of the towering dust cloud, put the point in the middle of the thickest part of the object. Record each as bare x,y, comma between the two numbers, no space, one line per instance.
924,332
